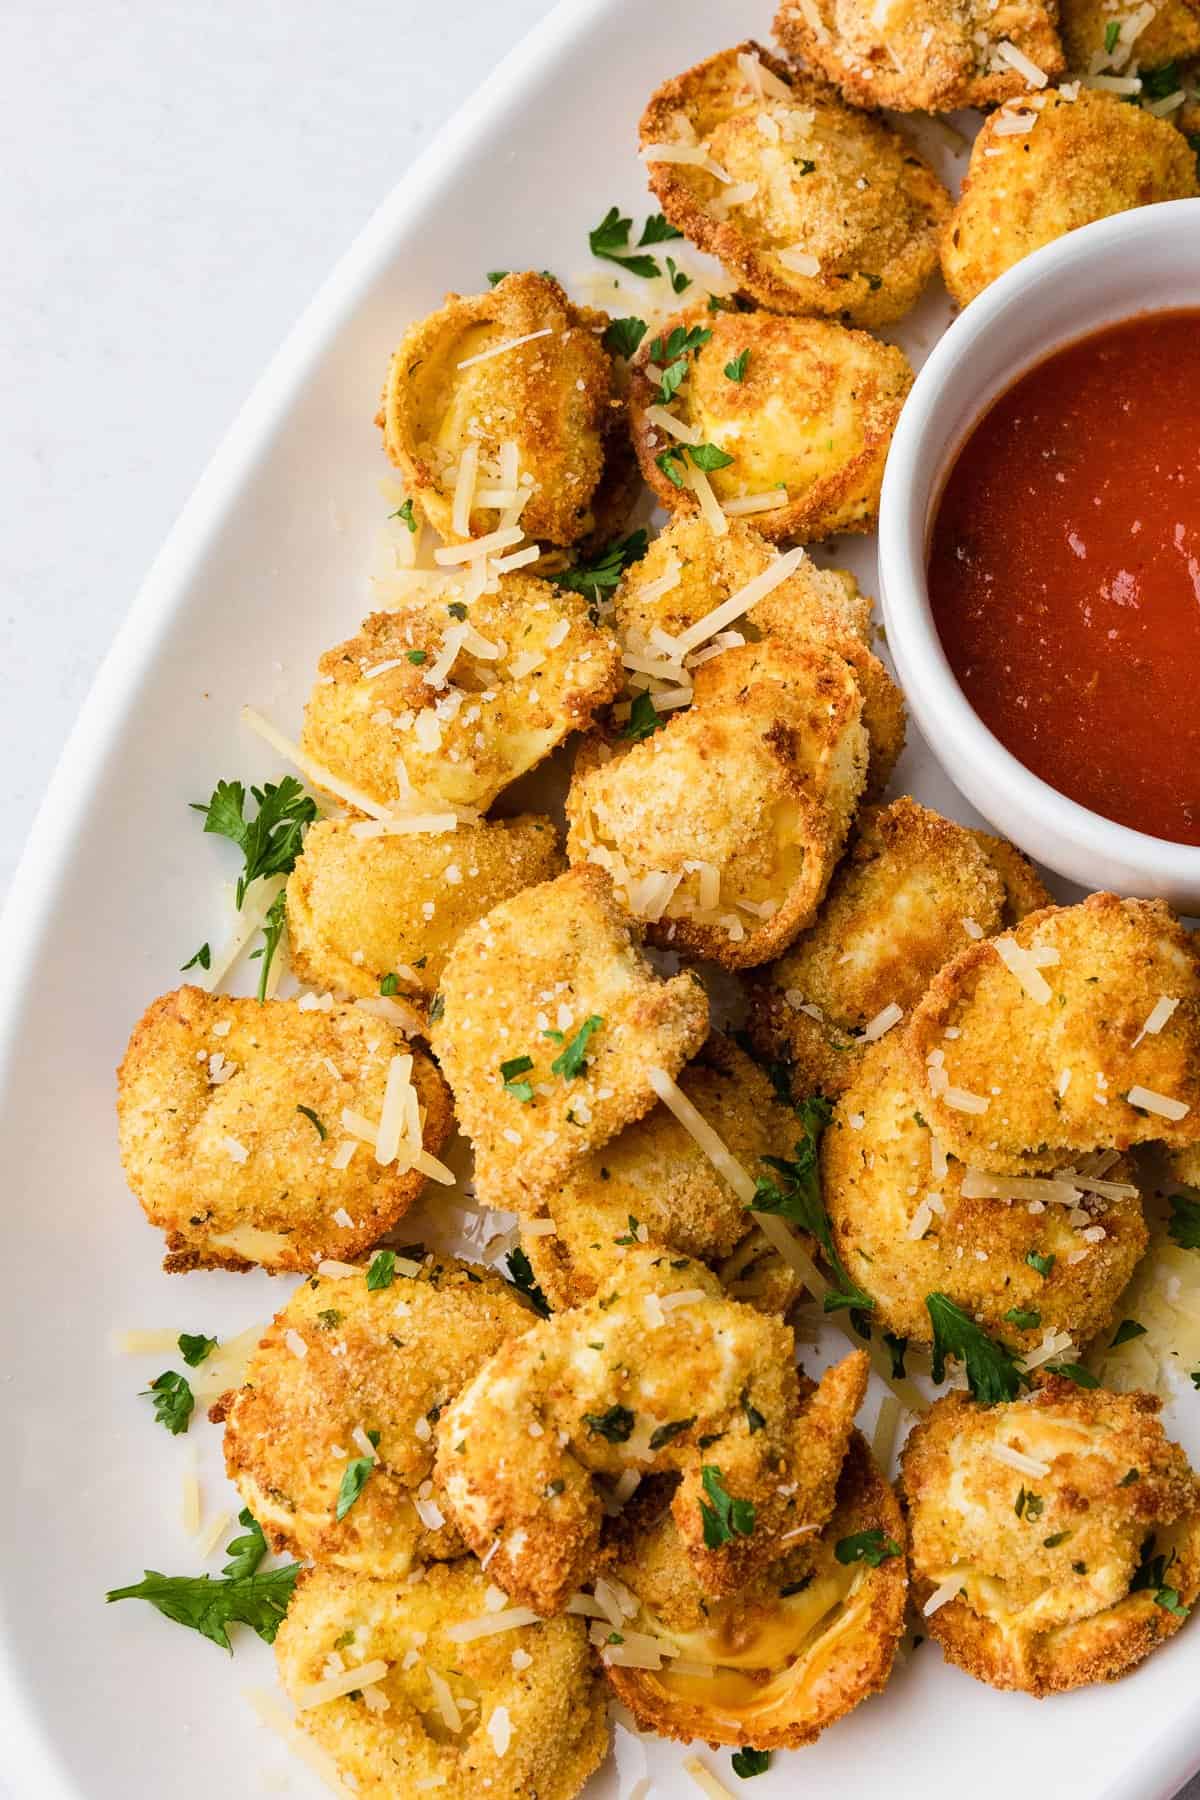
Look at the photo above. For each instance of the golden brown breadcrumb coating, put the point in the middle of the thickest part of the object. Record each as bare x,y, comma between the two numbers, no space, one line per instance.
913,892
524,986
637,1380
923,55
653,1183
721,829
794,1651
1015,1083
813,416
527,1709
1088,26
362,908
554,397
1080,160
1065,1576
905,1227
837,184
343,1361
214,1097
444,704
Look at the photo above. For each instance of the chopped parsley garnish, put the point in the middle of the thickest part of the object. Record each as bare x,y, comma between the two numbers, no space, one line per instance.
245,1553
616,1424
610,240
1158,83
437,1007
274,926
203,958
736,370
1024,1318
271,841
496,276
1129,1477
1055,1539
520,1276
173,1401
872,1547
1125,1333
622,336
1043,1264
665,1434
314,1121
630,1236
1072,1372
797,1198
416,656
643,721
1168,1598
898,1349
750,1762
1185,1221
354,1479
1030,1506
1112,32
804,165
606,569
210,1606
672,465
671,355
329,1319
194,1348
388,983
657,231
520,1090
405,512
708,456
382,1270
754,1419
726,1518
992,1372
679,281
457,610
571,1062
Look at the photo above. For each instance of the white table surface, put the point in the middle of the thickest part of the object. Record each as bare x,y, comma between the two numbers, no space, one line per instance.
178,181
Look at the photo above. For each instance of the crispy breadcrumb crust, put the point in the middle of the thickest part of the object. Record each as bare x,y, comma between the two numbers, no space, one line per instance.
1048,1603
372,702
1082,159
1172,35
877,1171
838,183
654,1178
553,1705
1115,960
757,780
385,1360
518,1449
184,1125
356,907
847,1657
537,965
896,910
814,415
554,397
937,55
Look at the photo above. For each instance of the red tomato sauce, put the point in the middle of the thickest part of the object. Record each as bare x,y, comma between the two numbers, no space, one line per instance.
1064,572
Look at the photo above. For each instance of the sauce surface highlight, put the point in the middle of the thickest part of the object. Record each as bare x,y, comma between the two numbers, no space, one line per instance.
1064,572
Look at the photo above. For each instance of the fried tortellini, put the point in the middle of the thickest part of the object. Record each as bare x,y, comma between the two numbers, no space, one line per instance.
925,55
812,416
1102,36
449,409
445,703
1079,160
1046,1581
230,1115
361,910
547,1024
825,209
348,1371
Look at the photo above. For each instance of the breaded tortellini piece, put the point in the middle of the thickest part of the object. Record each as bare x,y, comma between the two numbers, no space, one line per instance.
1027,1259
547,1024
1079,160
721,829
1050,1580
924,55
1077,1031
232,1136
663,1374
653,1183
812,416
795,1650
823,606
449,409
826,209
361,909
915,889
444,703
1104,34
444,1707
348,1372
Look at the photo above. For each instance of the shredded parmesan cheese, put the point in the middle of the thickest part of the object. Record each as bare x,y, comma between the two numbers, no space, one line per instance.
883,1022
1022,964
1016,59
1016,1459
345,1682
1158,1016
742,601
941,1595
500,350
493,1625
705,1780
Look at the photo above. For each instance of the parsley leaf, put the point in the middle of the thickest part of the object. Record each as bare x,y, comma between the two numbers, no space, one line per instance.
405,512
992,1372
611,237
607,568
194,1349
616,1424
750,1762
203,957
797,1198
496,276
354,1479
666,1433
416,657
520,1276
173,1401
871,1547
1072,1372
898,1349
388,983
1158,83
644,718
273,929
571,1062
1112,32
622,336
671,463
271,841
1126,1331
708,456
382,1271
314,1121
210,1607
736,370
1185,1221
657,231
245,1553
1043,1264
726,1518
1024,1318
679,281
1168,1598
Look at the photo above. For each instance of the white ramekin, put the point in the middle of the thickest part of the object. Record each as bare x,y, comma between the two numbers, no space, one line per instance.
1138,261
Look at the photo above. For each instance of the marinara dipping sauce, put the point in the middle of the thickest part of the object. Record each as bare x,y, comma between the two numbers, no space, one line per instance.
1064,572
